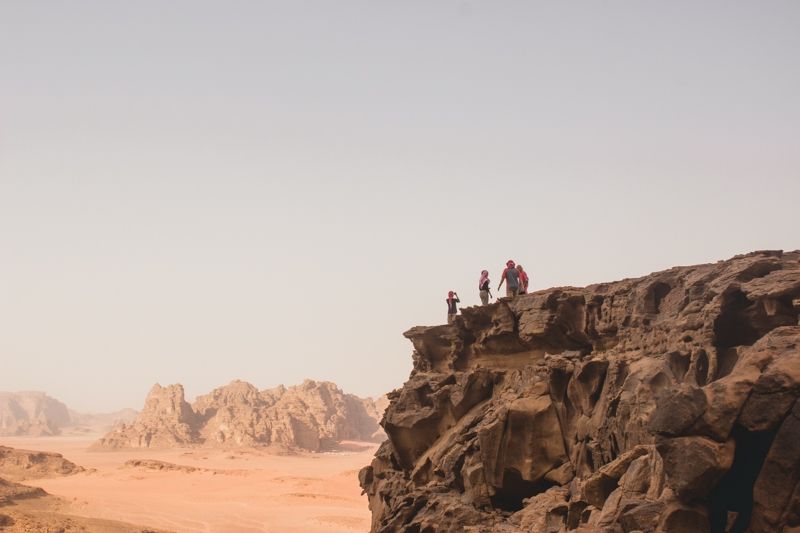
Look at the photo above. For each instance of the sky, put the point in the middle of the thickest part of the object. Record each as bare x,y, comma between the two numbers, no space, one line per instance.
195,192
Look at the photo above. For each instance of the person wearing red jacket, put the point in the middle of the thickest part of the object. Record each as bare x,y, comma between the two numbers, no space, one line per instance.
523,280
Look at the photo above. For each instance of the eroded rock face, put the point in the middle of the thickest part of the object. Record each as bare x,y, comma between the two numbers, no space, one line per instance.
31,413
314,416
665,403
166,420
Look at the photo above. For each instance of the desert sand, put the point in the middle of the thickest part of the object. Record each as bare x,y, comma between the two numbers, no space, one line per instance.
242,490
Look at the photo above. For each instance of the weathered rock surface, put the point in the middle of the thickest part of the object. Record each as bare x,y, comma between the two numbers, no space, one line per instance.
314,416
666,403
19,465
31,413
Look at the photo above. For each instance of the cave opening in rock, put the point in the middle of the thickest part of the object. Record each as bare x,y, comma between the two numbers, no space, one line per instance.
742,322
679,364
732,327
701,368
509,497
734,493
655,295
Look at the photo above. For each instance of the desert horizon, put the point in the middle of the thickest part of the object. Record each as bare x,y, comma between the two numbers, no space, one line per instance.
148,470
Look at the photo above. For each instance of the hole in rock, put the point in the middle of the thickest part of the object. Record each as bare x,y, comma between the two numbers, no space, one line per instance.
742,321
559,379
732,327
515,489
424,394
655,295
679,364
701,368
734,493
726,360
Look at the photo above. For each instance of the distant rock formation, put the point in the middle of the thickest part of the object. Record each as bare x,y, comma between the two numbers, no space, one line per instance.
668,403
165,421
313,415
19,465
36,414
31,413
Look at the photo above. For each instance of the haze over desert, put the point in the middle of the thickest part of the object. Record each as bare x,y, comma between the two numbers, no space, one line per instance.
399,266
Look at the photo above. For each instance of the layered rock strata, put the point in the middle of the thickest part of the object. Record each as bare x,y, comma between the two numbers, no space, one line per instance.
313,416
665,403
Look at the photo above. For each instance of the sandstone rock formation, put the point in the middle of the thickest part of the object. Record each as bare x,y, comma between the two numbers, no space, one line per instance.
313,415
166,420
31,413
666,403
19,465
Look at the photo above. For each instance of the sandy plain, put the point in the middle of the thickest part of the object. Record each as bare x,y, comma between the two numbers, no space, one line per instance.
242,490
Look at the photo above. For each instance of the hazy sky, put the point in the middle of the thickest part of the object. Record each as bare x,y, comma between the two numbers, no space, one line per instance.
201,191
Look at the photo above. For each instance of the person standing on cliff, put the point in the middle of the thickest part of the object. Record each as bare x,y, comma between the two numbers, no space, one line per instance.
452,308
483,287
523,280
511,278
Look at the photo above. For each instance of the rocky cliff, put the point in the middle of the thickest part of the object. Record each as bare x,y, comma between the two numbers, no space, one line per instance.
665,403
314,416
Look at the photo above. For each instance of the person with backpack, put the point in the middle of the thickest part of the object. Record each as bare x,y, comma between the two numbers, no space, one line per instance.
523,280
511,278
483,287
452,308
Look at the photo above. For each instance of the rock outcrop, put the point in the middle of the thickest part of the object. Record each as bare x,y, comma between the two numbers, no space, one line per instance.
665,403
166,420
19,465
313,416
31,413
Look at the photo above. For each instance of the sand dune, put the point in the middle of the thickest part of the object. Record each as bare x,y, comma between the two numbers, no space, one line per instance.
211,490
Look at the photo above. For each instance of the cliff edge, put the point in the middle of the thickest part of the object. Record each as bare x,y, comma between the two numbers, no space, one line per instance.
665,403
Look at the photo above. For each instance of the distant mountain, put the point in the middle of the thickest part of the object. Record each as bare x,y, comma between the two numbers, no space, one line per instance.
313,415
35,413
31,413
